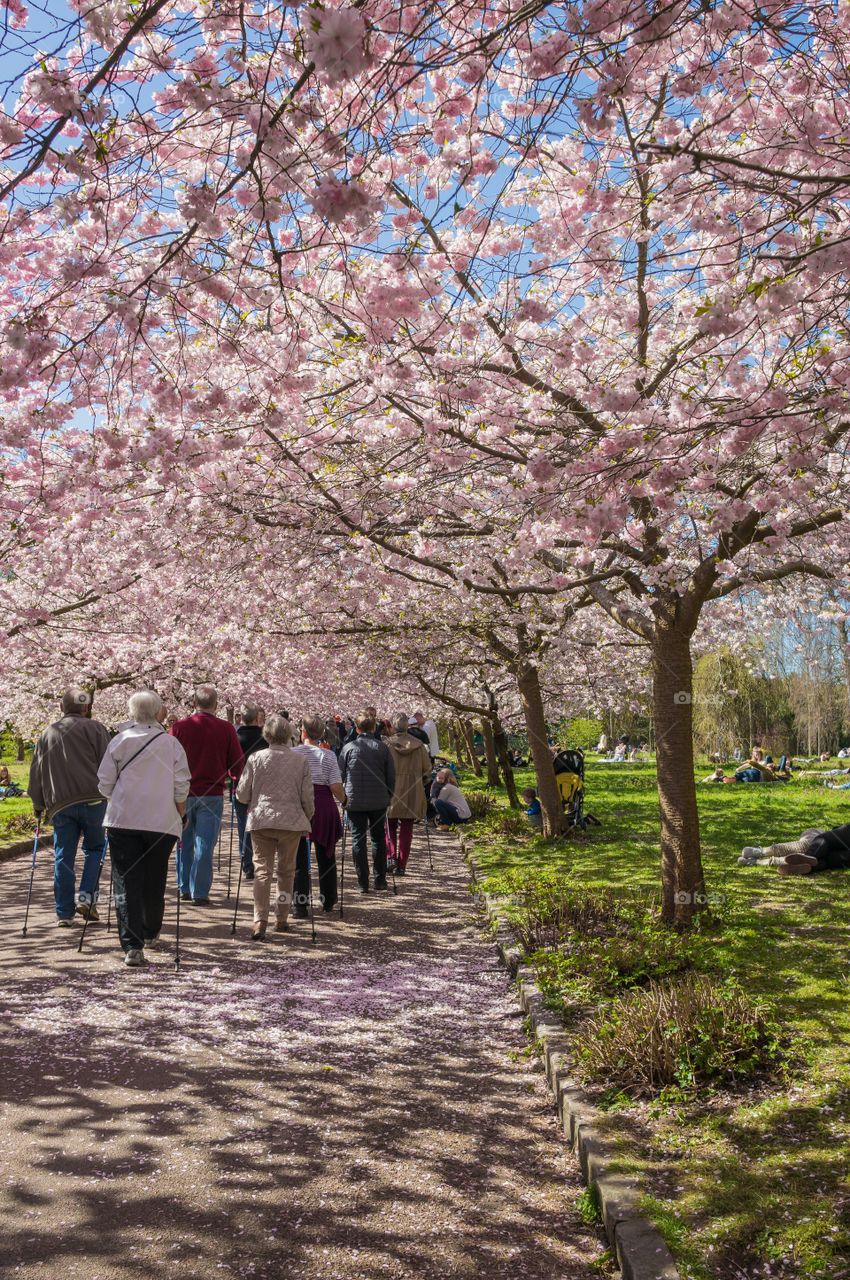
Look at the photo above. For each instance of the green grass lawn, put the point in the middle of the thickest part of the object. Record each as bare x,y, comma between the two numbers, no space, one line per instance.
16,810
756,1182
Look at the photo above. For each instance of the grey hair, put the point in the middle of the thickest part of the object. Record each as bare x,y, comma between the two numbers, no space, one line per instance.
314,725
144,706
74,700
206,697
250,711
401,722
278,730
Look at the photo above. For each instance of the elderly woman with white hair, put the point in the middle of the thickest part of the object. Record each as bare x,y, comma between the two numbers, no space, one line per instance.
277,786
145,778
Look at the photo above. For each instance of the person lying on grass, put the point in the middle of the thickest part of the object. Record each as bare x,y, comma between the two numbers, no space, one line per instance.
719,776
815,850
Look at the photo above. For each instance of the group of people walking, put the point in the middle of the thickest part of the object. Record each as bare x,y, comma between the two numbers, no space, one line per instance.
146,788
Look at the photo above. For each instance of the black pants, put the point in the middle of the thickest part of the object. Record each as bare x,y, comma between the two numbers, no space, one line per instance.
327,877
832,849
139,873
373,821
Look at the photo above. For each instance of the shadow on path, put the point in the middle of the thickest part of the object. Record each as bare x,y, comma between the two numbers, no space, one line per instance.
359,1108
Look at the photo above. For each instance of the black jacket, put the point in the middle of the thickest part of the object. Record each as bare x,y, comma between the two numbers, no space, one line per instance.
250,739
368,773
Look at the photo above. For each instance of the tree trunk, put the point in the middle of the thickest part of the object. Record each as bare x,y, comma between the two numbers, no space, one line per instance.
528,684
466,727
19,750
500,744
490,753
682,880
458,743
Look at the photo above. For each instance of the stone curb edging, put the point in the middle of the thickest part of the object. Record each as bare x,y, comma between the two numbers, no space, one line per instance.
9,851
638,1246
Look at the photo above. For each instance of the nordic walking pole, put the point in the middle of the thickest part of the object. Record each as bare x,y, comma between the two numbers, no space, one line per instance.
94,895
32,874
342,862
177,933
387,842
230,854
428,841
236,908
310,890
109,903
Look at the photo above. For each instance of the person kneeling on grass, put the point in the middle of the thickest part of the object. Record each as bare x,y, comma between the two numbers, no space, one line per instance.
815,850
533,812
449,801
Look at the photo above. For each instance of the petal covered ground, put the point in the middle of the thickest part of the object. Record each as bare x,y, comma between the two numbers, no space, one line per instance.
359,1108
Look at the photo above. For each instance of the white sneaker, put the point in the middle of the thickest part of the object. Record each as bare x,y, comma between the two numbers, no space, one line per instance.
135,958
750,855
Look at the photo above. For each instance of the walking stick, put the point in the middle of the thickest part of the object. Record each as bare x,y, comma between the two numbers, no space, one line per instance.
94,895
428,841
230,854
236,908
32,874
310,891
177,934
342,862
387,839
109,902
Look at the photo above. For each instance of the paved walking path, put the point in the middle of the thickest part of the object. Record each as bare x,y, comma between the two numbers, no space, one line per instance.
360,1108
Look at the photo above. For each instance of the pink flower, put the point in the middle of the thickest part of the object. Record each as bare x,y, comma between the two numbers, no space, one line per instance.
337,44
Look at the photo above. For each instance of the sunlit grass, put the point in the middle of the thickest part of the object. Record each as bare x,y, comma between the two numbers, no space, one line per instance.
758,1179
15,806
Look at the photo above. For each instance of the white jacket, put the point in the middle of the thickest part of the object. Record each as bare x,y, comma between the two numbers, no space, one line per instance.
145,795
433,738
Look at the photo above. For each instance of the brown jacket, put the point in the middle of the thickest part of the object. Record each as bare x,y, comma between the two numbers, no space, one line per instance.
277,787
412,772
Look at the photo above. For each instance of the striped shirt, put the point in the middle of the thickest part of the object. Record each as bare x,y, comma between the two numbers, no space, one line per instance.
324,769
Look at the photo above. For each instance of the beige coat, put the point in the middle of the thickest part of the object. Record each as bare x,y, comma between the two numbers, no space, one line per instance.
412,771
277,787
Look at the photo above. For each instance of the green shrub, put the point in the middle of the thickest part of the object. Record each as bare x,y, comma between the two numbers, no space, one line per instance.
585,970
554,908
512,824
480,803
686,1031
17,824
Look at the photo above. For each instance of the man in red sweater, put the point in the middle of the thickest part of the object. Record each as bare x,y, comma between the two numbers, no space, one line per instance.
214,753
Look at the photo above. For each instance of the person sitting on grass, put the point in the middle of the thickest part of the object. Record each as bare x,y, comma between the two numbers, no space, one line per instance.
815,850
448,800
5,776
759,769
534,813
717,776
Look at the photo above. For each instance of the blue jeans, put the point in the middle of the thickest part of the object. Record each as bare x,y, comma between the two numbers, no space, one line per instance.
69,824
246,849
195,859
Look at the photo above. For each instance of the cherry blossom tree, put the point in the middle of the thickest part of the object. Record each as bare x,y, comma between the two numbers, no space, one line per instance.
454,296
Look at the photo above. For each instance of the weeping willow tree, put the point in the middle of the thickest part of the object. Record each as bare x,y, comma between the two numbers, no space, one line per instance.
723,699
